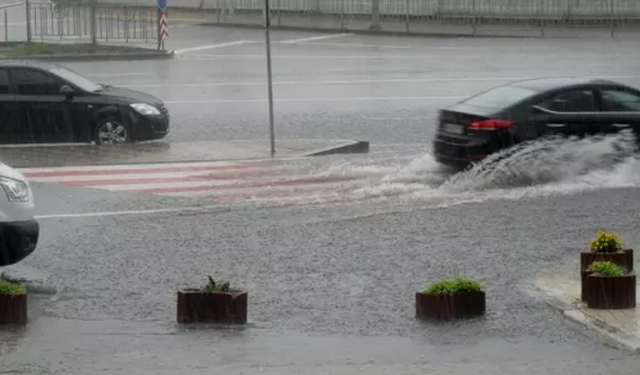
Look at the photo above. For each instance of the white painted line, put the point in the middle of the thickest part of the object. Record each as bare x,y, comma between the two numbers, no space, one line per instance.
356,81
330,82
350,45
124,213
116,74
220,101
235,161
322,37
212,46
405,57
421,47
119,167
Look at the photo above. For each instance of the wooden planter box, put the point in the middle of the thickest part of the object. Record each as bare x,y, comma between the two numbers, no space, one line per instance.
623,258
602,292
444,307
13,309
196,306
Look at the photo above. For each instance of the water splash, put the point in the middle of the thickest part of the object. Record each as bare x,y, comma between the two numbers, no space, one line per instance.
599,161
556,164
548,166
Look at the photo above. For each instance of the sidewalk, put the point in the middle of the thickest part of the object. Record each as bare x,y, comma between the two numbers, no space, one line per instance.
60,155
398,26
59,346
617,328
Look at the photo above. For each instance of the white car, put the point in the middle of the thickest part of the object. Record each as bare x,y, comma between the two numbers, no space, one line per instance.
19,231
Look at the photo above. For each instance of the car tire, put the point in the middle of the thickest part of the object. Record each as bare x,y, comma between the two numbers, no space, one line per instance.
111,130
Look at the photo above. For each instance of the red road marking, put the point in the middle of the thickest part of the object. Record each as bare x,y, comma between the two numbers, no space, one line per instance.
160,180
300,181
139,171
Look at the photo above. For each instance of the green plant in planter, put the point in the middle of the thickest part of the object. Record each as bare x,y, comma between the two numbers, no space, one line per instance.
7,287
605,243
223,287
450,286
606,268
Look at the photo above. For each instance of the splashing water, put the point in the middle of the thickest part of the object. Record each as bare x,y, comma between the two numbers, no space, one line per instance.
553,161
545,166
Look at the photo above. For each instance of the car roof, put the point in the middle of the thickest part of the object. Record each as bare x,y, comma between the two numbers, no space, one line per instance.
22,63
546,84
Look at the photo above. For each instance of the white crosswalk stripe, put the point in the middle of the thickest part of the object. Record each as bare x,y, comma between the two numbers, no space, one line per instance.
217,181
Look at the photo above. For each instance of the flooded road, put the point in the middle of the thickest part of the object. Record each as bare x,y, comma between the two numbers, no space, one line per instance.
332,266
338,274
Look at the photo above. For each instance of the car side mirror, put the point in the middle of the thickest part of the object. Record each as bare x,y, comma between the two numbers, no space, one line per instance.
66,90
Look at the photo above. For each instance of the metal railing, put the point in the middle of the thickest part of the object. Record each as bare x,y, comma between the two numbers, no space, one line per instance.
92,21
427,15
4,8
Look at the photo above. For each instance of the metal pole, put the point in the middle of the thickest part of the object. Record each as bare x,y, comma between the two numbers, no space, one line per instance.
267,26
6,27
28,19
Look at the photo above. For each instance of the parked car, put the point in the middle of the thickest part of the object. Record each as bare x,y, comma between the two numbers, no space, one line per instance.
42,102
19,231
503,116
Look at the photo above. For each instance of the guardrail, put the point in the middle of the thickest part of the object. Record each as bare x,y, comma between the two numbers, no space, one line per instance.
79,20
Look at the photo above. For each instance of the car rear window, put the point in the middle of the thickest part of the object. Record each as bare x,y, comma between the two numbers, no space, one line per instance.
499,97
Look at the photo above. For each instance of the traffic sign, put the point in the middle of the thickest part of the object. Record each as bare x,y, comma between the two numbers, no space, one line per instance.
162,4
164,25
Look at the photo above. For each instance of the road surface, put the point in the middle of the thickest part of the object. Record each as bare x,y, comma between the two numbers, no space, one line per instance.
331,274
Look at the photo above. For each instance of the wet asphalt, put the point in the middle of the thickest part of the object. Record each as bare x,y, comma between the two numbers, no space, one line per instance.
331,288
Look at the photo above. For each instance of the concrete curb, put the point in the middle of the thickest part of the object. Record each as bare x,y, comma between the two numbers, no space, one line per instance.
365,32
353,147
595,328
34,280
98,57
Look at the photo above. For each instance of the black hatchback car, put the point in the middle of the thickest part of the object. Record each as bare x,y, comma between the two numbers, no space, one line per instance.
43,102
503,116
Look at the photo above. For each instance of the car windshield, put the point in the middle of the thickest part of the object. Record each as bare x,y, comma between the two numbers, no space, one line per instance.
499,97
76,79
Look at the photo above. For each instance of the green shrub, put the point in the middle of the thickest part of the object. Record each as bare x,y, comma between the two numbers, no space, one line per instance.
605,243
213,287
7,287
454,286
606,269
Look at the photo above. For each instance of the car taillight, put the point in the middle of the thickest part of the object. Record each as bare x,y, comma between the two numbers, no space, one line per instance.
490,124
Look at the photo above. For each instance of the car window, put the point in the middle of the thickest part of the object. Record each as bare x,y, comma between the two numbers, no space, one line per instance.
619,101
4,81
499,97
581,100
33,82
76,79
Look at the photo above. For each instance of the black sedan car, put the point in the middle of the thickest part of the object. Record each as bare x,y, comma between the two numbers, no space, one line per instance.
43,102
526,110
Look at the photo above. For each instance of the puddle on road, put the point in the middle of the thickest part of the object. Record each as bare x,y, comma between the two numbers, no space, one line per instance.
552,166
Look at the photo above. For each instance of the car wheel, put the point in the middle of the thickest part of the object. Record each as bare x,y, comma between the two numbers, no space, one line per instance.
110,130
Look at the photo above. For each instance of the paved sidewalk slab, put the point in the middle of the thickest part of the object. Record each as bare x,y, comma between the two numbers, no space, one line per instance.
617,328
61,155
517,28
52,345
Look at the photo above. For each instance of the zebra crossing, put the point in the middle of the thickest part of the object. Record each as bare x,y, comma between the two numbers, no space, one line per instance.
215,181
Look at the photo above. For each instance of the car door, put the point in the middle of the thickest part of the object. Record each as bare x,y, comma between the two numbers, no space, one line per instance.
621,109
569,112
13,128
45,108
